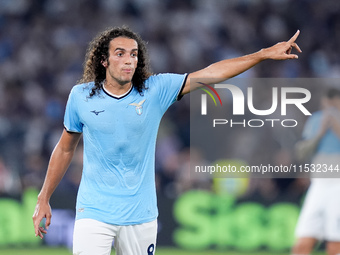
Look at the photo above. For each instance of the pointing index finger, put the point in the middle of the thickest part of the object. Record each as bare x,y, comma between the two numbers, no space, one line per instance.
292,40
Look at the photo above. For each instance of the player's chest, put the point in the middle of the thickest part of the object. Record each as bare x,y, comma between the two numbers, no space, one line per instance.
108,116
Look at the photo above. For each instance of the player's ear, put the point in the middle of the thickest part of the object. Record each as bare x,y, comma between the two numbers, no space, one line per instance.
104,63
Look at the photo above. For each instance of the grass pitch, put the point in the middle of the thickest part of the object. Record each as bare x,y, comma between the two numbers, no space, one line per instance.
159,251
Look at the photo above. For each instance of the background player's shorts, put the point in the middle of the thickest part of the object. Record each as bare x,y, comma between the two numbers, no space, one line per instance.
95,237
320,214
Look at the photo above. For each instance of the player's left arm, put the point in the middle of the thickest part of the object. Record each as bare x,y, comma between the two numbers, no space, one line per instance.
225,69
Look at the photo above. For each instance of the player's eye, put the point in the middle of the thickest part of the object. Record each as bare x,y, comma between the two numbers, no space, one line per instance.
120,54
134,55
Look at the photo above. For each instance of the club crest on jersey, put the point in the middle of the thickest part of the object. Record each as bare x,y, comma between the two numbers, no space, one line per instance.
139,107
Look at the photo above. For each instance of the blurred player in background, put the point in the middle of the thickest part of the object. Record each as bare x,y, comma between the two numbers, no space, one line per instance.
118,108
320,215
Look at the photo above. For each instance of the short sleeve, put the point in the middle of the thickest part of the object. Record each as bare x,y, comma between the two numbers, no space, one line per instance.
169,88
72,121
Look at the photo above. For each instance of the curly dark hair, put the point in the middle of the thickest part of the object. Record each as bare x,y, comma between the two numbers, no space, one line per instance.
98,51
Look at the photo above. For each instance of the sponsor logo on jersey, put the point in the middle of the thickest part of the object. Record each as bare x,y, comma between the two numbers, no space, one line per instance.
97,112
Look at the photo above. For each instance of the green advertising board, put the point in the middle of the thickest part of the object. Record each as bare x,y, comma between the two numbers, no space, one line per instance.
208,220
16,226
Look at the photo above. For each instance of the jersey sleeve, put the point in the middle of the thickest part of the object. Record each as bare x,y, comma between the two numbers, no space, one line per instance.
72,121
169,88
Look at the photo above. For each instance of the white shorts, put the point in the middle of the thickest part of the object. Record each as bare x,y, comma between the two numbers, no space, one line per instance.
320,214
92,237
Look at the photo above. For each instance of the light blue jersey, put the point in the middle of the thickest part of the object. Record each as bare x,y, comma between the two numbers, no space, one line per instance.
329,143
118,181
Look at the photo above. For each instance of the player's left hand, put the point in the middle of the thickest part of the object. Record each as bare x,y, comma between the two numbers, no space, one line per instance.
282,50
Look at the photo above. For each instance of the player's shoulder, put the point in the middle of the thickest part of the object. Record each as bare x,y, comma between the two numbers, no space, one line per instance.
82,88
163,78
156,77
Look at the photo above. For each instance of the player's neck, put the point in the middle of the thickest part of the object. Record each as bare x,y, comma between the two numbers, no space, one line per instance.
115,88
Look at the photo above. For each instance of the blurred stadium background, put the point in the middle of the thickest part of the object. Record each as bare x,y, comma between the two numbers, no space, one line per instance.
42,48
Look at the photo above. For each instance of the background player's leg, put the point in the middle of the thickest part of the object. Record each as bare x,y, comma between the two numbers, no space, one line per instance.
310,226
92,237
333,248
304,246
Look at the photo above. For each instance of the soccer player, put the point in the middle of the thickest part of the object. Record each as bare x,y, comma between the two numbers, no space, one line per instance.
118,108
320,214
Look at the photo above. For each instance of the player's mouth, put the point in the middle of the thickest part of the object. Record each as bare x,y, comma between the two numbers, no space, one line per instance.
127,70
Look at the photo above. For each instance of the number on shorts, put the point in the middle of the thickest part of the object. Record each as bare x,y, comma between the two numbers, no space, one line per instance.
151,249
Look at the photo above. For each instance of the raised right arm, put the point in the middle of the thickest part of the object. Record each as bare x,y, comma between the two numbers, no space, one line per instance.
59,162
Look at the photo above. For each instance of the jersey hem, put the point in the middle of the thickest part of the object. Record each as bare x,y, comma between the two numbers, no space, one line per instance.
128,223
